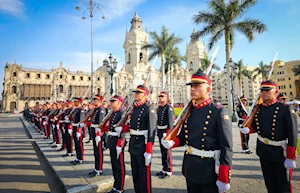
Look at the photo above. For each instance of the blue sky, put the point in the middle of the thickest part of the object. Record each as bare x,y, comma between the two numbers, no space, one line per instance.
41,33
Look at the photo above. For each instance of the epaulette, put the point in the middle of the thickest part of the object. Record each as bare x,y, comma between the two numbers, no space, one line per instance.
219,106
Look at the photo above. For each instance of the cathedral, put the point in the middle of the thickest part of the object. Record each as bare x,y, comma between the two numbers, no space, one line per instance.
25,87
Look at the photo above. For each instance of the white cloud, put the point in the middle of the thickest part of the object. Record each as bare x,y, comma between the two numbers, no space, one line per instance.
284,1
75,61
173,17
13,7
115,8
82,60
112,9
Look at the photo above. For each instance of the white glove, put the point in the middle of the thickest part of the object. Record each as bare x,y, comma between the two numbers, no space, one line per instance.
70,131
222,186
81,125
78,134
55,118
44,123
147,158
97,139
167,144
98,130
245,130
118,130
66,118
289,164
119,150
57,126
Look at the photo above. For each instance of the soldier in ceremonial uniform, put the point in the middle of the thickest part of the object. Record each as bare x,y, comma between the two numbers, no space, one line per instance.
113,143
142,127
208,137
61,125
276,127
96,118
88,123
242,116
281,98
45,120
76,117
68,130
165,119
104,136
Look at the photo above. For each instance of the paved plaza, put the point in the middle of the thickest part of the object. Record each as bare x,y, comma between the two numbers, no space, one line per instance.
18,156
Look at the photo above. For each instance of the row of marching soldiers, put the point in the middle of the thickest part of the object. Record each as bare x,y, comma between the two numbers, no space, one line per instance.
206,133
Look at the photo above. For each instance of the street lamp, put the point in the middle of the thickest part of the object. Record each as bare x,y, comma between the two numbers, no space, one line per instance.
90,6
233,71
111,65
232,76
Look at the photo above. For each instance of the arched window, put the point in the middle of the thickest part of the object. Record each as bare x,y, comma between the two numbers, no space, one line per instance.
141,56
98,90
14,89
61,89
13,106
26,105
191,66
14,74
128,57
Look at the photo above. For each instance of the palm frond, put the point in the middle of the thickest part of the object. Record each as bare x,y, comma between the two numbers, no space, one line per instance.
296,70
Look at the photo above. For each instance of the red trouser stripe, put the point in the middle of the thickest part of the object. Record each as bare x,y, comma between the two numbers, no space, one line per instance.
48,130
81,147
122,170
58,136
242,141
41,126
148,179
291,185
100,155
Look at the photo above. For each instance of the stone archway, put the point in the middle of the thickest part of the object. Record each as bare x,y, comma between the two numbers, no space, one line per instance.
13,106
26,105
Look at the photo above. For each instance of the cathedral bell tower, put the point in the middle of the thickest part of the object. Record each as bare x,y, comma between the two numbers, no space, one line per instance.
136,59
195,51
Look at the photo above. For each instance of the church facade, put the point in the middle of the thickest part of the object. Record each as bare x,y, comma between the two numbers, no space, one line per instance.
28,87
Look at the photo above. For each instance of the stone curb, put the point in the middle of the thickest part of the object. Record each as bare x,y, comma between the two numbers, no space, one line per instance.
102,186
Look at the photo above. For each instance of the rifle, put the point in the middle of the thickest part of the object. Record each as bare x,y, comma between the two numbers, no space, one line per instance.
108,116
243,106
258,100
186,111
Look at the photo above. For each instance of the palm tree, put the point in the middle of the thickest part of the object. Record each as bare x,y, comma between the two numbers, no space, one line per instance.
241,72
223,19
262,69
296,70
173,57
205,63
160,45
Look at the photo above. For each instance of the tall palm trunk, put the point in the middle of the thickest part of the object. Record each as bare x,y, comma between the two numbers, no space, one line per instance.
240,85
229,97
162,71
171,83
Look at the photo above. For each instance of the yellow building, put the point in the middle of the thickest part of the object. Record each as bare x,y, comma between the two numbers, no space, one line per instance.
287,82
249,88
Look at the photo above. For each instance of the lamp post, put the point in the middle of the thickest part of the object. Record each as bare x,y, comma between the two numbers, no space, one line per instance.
232,76
111,65
90,6
232,69
219,86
